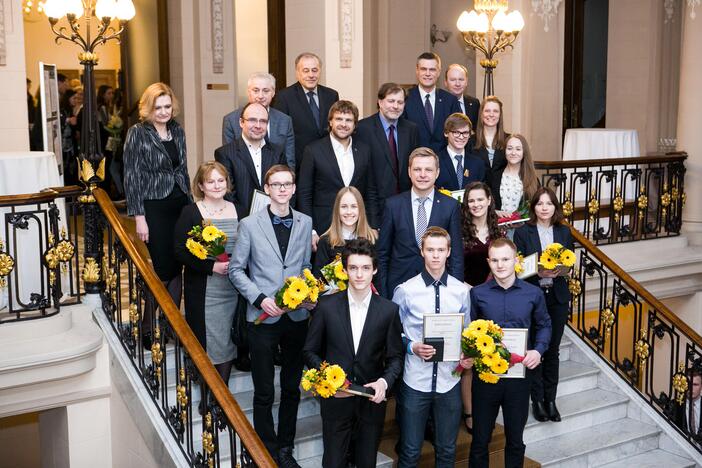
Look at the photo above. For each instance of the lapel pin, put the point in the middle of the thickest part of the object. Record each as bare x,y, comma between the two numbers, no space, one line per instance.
466,173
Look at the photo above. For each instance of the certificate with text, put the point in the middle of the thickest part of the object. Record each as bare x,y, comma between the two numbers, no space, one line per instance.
515,340
530,266
260,201
446,326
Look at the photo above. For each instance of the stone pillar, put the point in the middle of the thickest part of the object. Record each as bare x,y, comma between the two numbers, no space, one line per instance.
14,126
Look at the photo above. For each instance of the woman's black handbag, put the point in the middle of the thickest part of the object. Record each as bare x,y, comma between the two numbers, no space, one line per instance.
240,335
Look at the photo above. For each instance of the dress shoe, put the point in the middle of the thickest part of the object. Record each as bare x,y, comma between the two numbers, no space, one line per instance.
552,411
285,458
539,411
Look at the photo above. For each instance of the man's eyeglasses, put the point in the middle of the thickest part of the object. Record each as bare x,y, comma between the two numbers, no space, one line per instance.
278,185
253,121
460,134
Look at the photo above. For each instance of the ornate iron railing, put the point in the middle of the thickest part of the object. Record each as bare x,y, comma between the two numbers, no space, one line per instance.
642,340
39,262
620,200
174,368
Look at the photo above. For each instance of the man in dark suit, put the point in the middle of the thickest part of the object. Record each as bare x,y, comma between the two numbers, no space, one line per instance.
334,162
456,82
457,167
405,219
360,332
307,103
261,89
248,157
689,414
391,139
428,106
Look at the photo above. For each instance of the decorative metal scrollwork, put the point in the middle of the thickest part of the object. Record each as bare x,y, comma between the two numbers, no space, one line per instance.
642,350
593,206
607,316
208,445
642,203
7,264
567,206
156,353
618,204
134,319
680,384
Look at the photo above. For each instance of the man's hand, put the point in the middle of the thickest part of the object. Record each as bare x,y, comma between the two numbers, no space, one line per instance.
422,350
315,241
379,386
269,306
465,362
532,358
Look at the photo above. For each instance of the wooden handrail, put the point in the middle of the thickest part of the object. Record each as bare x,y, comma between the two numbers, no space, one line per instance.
654,158
224,398
45,196
633,284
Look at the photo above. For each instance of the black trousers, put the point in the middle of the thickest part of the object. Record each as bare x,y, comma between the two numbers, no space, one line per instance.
344,419
513,396
264,340
544,378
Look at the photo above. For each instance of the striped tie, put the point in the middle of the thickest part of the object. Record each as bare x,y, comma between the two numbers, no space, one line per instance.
421,220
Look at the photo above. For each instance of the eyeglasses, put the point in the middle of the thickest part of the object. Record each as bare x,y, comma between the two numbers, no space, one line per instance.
253,121
278,185
460,134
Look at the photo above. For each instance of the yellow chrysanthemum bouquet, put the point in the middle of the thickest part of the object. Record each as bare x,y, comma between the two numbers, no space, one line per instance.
335,276
482,341
207,241
325,381
557,257
297,291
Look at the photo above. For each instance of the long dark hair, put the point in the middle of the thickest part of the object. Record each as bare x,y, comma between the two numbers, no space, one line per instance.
470,234
500,139
557,217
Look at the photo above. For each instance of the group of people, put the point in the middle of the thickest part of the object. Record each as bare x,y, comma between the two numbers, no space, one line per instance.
367,190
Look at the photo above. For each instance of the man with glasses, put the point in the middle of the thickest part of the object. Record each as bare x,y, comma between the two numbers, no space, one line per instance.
248,157
458,168
272,245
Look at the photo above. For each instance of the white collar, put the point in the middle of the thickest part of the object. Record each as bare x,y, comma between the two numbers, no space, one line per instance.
338,147
415,197
365,302
250,145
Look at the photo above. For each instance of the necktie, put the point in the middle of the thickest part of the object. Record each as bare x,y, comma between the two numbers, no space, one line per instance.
393,154
463,106
693,419
421,220
314,108
459,171
429,112
287,222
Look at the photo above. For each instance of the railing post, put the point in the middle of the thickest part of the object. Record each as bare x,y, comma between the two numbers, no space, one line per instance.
93,243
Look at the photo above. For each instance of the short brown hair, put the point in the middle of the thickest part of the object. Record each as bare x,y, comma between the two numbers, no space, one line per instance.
423,152
436,231
457,120
147,102
430,56
390,88
307,55
247,105
344,107
278,168
502,242
557,217
203,172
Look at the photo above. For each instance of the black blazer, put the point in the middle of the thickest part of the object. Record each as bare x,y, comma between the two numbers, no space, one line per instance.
472,106
445,104
380,352
448,179
681,416
370,131
236,158
325,253
526,238
498,164
320,180
398,247
148,171
293,101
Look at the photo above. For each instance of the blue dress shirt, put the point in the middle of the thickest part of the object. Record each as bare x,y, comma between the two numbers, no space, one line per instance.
386,126
522,305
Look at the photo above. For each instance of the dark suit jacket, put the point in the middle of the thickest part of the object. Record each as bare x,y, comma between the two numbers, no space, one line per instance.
444,105
320,180
681,416
397,246
370,131
526,238
293,101
472,106
498,164
447,171
236,158
380,352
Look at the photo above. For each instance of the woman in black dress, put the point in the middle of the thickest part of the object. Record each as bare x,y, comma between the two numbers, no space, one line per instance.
156,181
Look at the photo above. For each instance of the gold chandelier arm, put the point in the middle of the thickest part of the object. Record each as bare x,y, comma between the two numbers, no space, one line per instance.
74,37
475,41
106,33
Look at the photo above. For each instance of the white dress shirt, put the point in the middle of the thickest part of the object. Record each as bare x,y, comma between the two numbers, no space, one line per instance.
344,158
359,311
427,206
255,153
462,104
696,410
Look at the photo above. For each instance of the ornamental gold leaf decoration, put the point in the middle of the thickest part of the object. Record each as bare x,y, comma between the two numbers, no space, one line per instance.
86,171
101,169
567,206
7,264
607,316
680,384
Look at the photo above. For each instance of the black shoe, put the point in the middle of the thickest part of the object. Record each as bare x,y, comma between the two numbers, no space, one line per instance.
552,411
243,364
540,413
285,458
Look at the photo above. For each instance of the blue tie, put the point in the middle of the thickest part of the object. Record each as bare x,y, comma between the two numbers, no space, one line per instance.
287,222
314,108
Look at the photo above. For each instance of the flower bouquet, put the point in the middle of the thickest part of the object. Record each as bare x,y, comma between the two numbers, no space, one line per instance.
482,341
329,379
114,128
521,215
297,291
335,276
455,194
207,242
556,257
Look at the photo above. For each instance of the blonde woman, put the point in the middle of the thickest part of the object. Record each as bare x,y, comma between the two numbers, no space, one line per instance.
349,221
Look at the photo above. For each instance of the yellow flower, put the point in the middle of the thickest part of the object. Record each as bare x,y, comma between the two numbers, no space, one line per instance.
485,344
306,385
196,249
314,294
341,285
308,274
547,261
325,389
339,272
488,378
488,359
568,258
479,326
211,233
500,366
518,268
311,375
289,300
336,375
445,191
467,333
298,290
554,246
494,328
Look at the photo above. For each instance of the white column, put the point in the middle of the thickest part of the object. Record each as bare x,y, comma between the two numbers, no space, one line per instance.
14,127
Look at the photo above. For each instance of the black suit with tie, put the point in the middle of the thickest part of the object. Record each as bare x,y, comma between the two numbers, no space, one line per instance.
473,170
391,176
235,156
320,180
431,134
544,380
294,101
379,355
682,417
470,107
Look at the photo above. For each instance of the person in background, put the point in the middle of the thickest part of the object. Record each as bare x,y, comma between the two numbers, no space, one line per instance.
457,166
490,138
456,82
688,416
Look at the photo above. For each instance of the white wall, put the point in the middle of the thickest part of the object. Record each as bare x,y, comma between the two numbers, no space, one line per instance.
14,128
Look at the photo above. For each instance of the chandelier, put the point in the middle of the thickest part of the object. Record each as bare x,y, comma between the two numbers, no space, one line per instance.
490,29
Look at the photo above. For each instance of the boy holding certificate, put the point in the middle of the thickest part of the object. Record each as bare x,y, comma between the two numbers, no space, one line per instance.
428,386
511,303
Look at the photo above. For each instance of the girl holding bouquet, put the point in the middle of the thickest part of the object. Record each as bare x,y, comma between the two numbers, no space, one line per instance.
543,229
210,298
349,222
517,181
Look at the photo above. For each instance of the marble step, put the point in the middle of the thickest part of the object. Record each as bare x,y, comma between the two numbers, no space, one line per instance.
575,377
383,461
653,459
564,351
578,411
596,445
